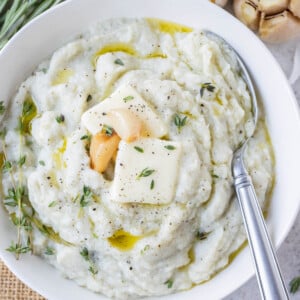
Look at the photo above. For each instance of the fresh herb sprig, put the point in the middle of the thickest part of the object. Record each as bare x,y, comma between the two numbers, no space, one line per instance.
180,121
14,14
49,251
87,257
18,248
201,235
169,283
107,130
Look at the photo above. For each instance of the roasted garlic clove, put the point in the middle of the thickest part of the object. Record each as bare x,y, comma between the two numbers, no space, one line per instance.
279,28
247,12
102,150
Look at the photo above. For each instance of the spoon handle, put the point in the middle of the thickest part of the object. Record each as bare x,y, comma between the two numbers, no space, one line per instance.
267,269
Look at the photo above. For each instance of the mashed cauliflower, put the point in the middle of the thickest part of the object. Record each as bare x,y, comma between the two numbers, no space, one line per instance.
162,217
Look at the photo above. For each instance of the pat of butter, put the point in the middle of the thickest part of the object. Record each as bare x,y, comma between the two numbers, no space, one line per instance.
146,171
125,97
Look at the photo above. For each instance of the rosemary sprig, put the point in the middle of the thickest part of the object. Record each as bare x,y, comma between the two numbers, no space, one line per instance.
14,14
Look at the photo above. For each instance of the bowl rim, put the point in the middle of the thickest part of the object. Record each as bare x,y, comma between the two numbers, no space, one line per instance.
290,95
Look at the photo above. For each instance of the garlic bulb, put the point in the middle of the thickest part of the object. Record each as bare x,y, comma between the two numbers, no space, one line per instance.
275,20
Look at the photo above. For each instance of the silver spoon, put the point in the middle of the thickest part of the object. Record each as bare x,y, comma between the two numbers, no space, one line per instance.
266,265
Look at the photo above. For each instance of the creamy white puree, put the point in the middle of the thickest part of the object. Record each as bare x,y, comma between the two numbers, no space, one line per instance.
131,249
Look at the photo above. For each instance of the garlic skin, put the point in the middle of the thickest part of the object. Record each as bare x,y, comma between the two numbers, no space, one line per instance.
294,7
247,12
272,7
281,27
275,20
221,3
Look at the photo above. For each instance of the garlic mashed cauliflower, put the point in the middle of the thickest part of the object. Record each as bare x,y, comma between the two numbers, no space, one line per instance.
160,215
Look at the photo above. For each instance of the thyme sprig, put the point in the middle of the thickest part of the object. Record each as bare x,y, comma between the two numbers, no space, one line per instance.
180,121
206,86
169,283
87,257
18,248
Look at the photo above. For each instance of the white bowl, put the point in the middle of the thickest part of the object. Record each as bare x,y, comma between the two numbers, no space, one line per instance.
42,36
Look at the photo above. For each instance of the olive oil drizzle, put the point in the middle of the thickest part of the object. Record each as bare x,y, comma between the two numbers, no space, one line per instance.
123,241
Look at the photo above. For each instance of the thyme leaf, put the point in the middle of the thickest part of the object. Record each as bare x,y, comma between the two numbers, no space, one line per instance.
145,173
128,98
201,235
2,108
93,270
3,133
169,283
170,147
7,166
206,86
107,130
87,257
52,204
85,198
41,162
118,61
152,185
294,285
139,149
60,119
22,161
18,248
180,122
89,98
85,254
49,251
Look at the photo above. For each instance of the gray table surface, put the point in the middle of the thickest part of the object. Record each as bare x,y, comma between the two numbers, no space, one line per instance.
289,252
